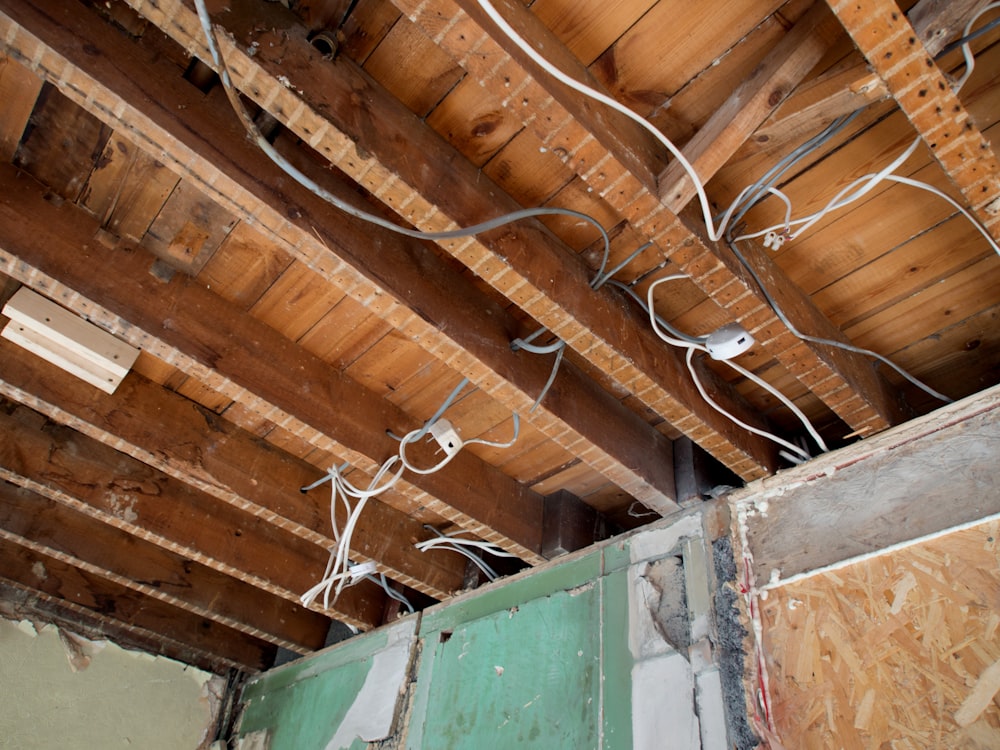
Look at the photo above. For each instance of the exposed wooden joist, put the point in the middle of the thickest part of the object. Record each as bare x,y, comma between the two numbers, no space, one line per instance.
54,530
371,136
183,323
201,140
844,381
190,443
839,92
888,41
68,467
32,584
767,86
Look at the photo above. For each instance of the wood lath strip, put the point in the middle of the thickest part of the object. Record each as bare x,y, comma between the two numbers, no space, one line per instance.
170,433
844,381
200,139
767,86
840,92
340,109
52,529
36,586
70,468
52,250
889,43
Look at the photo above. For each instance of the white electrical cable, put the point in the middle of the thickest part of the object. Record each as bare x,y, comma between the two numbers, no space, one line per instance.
461,545
413,436
499,20
692,347
970,59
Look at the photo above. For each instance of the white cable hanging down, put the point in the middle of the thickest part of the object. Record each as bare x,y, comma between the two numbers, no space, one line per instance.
693,347
340,571
464,547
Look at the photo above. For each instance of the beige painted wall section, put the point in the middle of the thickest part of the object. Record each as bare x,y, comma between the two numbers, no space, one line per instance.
121,699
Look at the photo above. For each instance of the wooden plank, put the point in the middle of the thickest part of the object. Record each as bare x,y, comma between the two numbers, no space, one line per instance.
62,143
54,530
819,102
19,89
168,432
188,229
897,649
77,471
117,608
748,106
892,48
845,382
249,362
928,475
460,326
246,265
525,264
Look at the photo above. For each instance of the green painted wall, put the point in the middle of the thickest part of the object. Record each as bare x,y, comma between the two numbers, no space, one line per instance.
546,659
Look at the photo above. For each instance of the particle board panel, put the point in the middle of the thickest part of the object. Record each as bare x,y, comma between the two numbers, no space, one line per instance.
414,69
61,144
589,27
19,89
244,267
900,650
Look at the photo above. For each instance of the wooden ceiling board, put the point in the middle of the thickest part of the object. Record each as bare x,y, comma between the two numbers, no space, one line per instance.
303,335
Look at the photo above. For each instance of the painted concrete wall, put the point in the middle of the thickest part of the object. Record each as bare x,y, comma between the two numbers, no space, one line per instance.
610,648
119,700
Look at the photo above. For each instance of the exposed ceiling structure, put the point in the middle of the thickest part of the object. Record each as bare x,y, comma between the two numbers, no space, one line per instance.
280,337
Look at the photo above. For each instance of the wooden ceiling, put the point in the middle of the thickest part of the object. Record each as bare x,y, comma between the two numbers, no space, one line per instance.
280,337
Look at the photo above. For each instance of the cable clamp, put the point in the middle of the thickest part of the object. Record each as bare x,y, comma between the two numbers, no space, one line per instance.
446,436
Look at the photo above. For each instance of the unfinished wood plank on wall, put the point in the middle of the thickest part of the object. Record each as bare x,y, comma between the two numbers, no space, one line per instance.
19,89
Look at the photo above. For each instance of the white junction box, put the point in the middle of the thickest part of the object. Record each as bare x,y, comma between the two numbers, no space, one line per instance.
67,341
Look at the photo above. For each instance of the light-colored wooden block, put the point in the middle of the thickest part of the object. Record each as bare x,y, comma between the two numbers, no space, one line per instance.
67,341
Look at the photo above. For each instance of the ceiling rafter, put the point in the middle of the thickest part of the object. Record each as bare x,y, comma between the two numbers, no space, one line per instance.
81,601
249,362
167,431
817,103
372,137
844,381
458,325
68,467
888,41
57,531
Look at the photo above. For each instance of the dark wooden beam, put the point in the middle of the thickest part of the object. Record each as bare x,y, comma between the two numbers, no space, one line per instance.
56,531
371,136
106,609
65,466
196,446
403,282
183,323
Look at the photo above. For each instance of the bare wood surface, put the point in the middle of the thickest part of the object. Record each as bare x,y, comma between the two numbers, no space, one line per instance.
892,48
213,154
68,467
845,383
172,434
56,531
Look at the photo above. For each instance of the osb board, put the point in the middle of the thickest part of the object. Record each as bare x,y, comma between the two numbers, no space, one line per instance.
897,651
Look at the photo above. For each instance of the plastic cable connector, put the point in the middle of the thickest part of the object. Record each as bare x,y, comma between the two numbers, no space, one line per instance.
446,436
362,569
